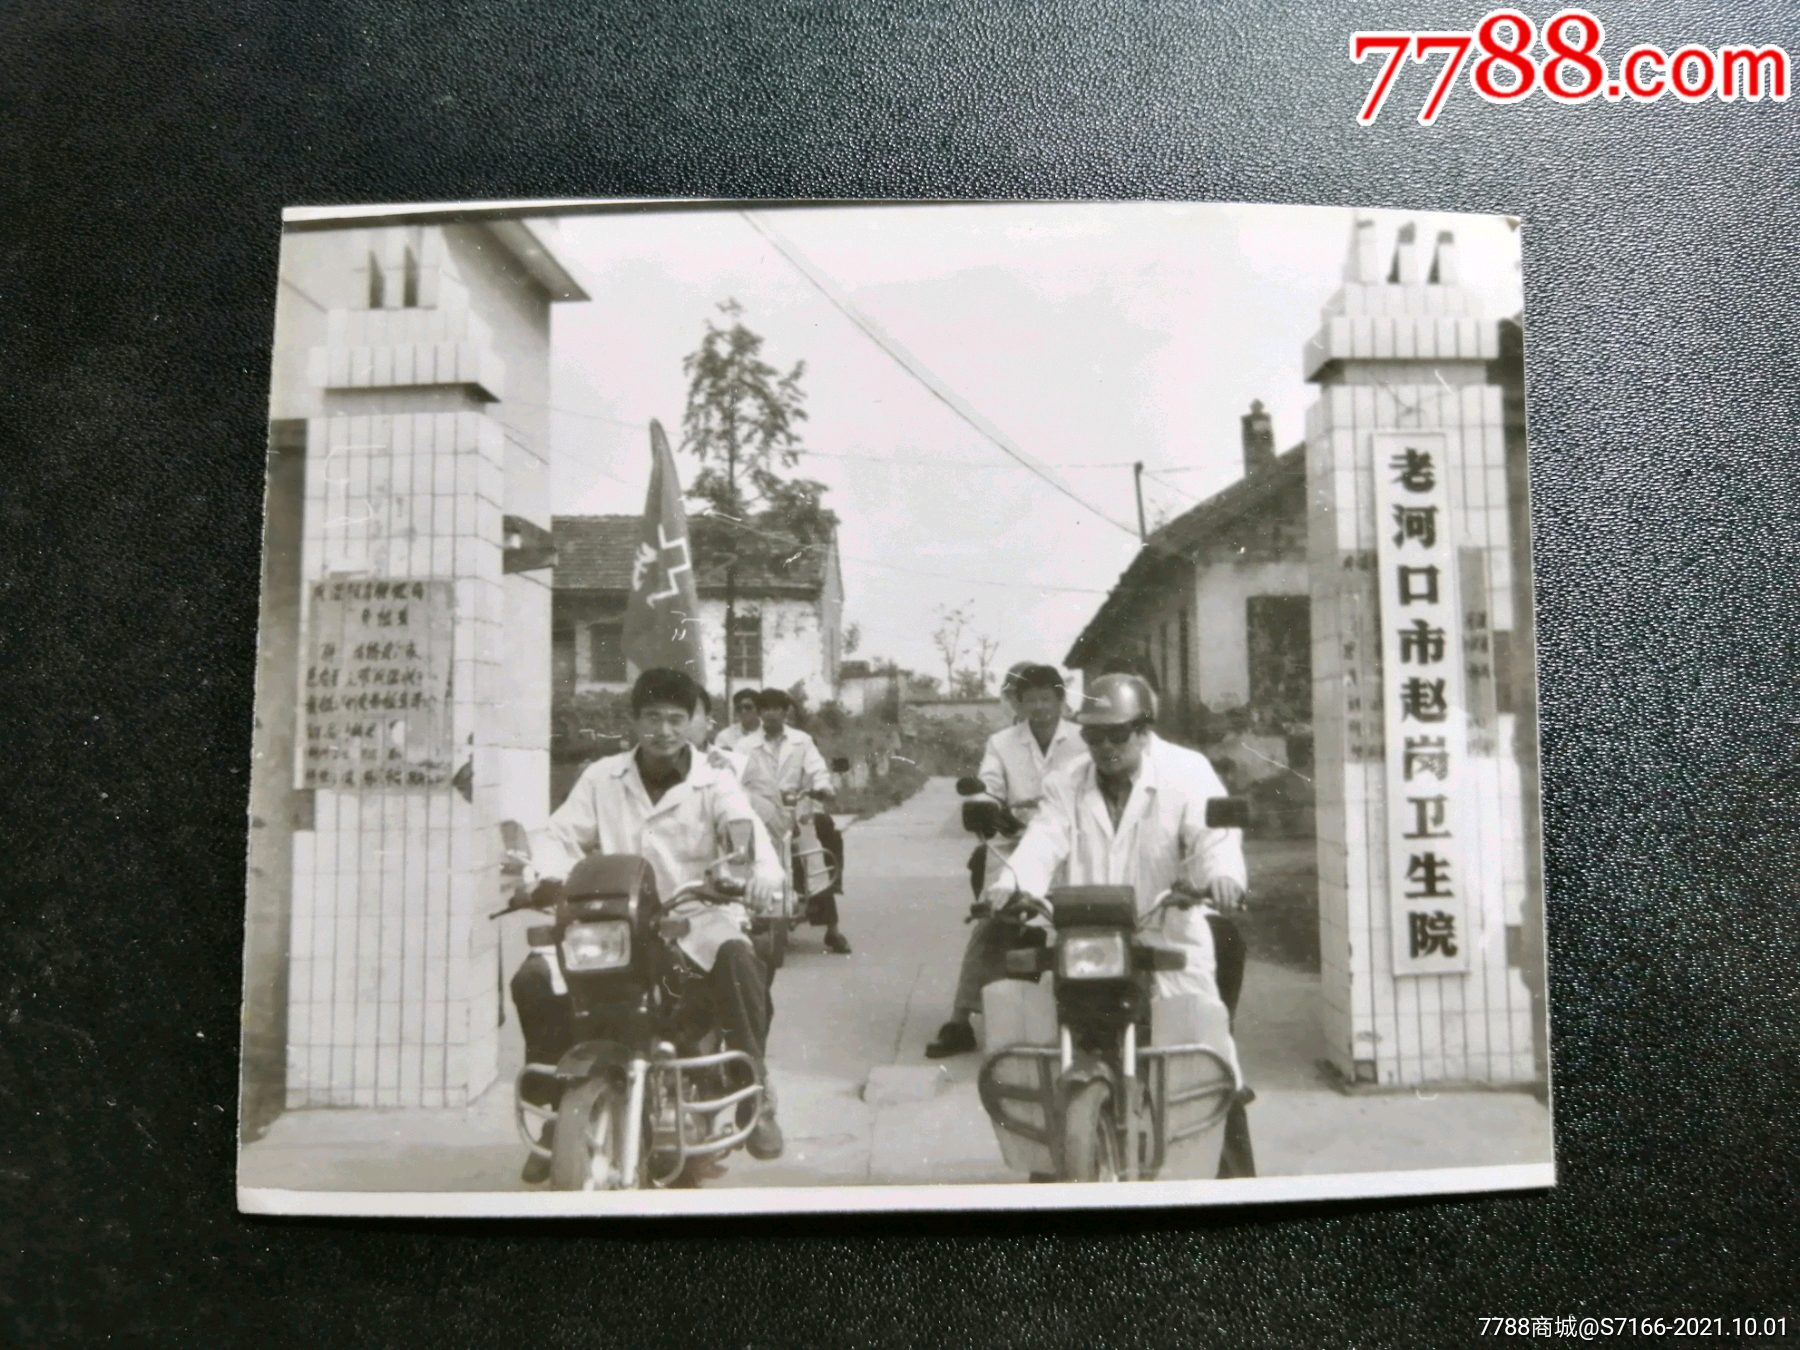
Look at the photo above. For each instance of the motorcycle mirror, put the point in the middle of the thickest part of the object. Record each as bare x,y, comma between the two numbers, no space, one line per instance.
1227,813
970,787
840,765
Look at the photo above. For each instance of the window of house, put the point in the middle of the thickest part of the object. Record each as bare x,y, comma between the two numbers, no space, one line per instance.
606,653
1278,634
744,661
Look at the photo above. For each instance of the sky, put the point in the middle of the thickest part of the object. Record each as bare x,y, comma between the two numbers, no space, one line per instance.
1089,335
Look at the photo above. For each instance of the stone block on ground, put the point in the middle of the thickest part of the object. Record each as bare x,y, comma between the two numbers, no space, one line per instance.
890,1084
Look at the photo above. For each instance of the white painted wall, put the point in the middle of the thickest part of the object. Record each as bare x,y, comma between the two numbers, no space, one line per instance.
1221,630
794,646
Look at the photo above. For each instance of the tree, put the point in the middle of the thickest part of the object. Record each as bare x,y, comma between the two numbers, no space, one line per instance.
852,638
948,639
742,424
985,649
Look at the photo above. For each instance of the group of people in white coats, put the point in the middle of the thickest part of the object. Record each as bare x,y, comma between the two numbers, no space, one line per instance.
1103,800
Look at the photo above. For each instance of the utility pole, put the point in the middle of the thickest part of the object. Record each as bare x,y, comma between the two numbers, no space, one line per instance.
1137,478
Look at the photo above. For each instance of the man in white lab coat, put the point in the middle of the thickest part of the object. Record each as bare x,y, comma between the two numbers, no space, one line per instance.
748,723
1013,768
665,803
782,765
1134,814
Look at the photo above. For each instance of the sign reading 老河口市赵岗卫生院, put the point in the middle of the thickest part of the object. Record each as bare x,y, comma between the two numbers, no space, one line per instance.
1423,699
375,697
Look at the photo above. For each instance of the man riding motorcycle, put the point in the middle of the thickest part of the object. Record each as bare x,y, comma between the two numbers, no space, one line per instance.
748,723
781,765
664,802
1014,766
1135,814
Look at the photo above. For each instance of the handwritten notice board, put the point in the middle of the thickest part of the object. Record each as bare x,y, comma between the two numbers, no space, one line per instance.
375,691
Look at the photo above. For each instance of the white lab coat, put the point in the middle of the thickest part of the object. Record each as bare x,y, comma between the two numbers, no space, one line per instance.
609,811
1162,837
733,736
1013,766
792,764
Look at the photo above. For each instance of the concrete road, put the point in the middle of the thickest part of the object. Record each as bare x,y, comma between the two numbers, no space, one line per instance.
837,1018
840,1020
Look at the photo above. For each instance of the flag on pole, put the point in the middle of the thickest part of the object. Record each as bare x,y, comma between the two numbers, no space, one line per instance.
662,616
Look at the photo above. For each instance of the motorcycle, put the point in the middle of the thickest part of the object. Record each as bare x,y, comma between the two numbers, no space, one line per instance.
798,844
1121,1078
646,1096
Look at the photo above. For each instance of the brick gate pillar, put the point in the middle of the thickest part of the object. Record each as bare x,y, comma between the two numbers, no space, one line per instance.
1422,859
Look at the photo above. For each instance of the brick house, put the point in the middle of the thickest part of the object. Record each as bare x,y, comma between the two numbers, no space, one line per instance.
789,623
1216,603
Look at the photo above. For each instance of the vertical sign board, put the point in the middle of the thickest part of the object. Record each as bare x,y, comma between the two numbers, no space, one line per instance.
375,693
1422,681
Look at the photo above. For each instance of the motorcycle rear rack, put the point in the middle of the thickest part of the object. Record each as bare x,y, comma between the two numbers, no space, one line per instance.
1153,1064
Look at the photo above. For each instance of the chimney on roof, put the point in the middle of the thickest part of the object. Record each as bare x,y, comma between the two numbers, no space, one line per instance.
1259,439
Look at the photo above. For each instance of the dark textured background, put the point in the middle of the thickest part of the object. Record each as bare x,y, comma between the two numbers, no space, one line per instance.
146,151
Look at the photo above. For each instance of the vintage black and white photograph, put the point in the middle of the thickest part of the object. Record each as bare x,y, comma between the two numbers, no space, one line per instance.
865,706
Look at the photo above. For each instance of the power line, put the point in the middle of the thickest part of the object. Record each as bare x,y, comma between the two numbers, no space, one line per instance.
918,371
1172,487
789,540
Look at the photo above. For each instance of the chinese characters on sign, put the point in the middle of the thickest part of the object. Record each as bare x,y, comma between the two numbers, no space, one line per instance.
1423,699
375,691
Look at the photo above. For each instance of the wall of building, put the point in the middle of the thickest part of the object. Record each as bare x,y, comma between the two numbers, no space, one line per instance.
1221,634
869,693
425,426
1383,1025
573,614
794,633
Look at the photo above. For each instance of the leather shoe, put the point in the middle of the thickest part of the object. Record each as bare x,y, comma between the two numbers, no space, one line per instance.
837,944
953,1038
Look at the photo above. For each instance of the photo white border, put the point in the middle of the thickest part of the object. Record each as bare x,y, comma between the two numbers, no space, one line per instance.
992,1196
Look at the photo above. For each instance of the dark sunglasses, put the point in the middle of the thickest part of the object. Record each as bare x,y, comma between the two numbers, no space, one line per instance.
1108,735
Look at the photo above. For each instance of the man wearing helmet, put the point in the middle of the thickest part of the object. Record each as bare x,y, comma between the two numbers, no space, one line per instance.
1135,814
1013,768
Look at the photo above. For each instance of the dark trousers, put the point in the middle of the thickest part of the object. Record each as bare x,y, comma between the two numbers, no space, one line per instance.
1237,1159
823,910
733,997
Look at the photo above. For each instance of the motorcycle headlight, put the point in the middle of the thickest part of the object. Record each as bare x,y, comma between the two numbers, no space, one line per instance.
1092,956
597,946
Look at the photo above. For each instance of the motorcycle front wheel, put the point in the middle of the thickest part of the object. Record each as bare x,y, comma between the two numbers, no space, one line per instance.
1090,1144
586,1152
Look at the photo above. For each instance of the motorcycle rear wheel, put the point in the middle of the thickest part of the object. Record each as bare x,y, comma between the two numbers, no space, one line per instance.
1090,1144
590,1128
